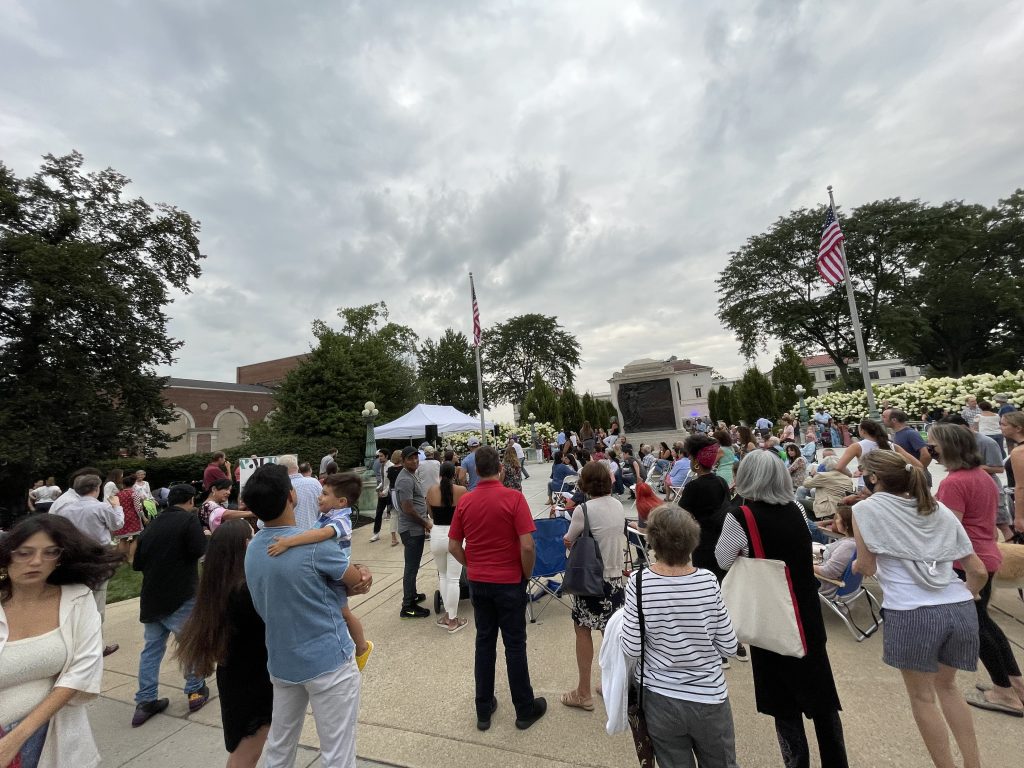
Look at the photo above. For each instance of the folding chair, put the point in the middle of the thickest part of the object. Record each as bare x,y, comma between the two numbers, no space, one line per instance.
850,591
549,564
569,484
636,548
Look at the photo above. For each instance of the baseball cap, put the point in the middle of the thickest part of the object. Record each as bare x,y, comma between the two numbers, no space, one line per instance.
1002,397
409,450
473,442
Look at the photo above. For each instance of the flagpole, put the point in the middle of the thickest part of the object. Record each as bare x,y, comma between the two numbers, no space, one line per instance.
479,375
865,370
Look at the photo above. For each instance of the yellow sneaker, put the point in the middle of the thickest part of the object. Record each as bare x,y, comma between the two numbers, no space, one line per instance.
362,657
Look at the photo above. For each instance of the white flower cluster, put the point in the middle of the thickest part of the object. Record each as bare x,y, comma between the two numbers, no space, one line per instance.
459,440
919,397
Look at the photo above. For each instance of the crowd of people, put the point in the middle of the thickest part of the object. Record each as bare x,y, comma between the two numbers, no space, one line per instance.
280,567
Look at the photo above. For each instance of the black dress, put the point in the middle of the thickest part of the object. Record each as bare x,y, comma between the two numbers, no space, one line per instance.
703,497
246,694
785,686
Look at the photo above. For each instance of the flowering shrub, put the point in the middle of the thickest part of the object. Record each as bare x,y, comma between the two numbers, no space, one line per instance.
923,395
459,440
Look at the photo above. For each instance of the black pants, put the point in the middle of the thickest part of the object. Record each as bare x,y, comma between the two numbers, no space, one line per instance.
793,741
501,607
413,555
378,518
995,652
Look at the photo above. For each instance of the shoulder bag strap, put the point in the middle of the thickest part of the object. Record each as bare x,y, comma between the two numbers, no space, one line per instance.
643,633
586,523
754,534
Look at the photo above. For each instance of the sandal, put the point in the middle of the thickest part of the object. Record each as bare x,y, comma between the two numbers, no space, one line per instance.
459,624
573,699
977,699
442,620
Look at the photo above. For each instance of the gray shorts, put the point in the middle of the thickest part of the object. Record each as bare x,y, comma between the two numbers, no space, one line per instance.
920,639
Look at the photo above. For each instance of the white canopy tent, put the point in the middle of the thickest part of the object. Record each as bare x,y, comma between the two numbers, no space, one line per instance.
414,423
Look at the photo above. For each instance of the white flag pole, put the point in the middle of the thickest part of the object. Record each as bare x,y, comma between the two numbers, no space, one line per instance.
865,370
479,375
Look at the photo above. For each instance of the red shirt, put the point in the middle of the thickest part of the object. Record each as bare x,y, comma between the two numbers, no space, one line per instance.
212,474
491,518
972,495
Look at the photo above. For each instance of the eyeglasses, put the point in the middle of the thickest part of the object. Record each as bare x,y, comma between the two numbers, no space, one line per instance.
25,555
932,451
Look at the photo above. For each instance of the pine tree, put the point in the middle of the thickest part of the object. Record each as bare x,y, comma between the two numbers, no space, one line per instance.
570,409
725,407
713,405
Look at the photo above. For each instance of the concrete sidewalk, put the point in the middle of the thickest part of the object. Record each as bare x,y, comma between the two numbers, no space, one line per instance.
417,698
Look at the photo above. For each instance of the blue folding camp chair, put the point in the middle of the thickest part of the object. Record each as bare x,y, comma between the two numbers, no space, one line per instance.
850,591
549,564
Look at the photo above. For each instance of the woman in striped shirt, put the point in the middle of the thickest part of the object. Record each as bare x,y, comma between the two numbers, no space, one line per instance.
688,633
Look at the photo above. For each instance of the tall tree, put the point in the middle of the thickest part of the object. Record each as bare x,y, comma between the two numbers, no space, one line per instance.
86,273
590,411
368,359
725,408
788,371
570,409
542,402
447,372
524,347
713,405
754,396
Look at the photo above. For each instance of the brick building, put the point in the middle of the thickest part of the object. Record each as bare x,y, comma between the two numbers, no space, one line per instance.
269,373
211,415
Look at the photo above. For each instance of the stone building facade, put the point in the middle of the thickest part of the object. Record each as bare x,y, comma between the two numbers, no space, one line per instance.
659,399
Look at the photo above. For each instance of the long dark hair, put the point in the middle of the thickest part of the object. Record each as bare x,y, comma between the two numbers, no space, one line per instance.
447,480
203,641
876,432
82,560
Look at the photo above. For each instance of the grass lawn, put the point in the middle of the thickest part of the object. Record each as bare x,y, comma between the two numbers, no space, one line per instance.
125,584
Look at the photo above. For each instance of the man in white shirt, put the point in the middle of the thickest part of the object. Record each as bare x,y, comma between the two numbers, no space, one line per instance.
327,460
429,470
520,454
97,520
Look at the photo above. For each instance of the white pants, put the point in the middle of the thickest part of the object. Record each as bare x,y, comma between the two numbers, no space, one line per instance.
449,570
335,699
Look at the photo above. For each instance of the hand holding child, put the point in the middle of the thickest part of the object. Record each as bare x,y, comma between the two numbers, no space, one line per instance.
279,547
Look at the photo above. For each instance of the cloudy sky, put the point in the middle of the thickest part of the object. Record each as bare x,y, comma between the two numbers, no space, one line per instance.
592,160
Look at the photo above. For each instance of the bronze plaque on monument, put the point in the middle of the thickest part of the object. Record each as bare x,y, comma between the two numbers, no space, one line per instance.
647,406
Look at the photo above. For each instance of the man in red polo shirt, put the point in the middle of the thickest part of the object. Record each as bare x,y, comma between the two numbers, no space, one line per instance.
217,469
497,525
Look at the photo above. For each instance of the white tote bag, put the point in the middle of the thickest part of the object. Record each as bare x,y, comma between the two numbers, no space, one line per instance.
759,596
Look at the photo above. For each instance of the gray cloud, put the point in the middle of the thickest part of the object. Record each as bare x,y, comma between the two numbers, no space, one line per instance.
596,161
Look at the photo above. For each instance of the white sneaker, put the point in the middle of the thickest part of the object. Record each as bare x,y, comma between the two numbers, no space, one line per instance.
375,537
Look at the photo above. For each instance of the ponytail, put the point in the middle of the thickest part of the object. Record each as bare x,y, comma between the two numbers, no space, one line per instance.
897,476
918,487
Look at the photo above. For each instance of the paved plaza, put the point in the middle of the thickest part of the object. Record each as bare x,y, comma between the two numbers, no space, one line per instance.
417,698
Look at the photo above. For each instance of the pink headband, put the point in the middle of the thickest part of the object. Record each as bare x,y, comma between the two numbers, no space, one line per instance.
708,455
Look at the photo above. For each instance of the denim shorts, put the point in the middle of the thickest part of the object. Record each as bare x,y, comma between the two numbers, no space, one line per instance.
920,639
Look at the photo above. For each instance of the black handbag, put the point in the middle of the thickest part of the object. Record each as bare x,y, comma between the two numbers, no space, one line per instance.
584,569
635,696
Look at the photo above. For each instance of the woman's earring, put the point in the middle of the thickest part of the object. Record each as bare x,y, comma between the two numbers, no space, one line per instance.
3,574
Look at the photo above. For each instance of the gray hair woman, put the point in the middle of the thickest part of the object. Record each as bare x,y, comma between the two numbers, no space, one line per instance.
607,525
786,687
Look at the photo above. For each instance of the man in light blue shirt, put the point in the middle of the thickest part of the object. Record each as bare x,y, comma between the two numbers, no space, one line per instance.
307,493
680,469
310,653
469,463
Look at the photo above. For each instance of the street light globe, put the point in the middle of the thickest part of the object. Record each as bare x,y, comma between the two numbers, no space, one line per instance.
799,389
369,406
531,417
365,413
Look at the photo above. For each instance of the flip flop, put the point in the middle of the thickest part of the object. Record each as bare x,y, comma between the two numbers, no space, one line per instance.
573,699
977,699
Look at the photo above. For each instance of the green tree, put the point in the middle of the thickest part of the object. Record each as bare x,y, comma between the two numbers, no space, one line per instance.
590,410
368,359
447,372
542,402
754,397
788,371
713,405
522,348
608,413
86,273
570,409
725,408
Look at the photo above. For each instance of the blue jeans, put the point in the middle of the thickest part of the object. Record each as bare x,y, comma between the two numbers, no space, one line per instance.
33,746
501,607
155,634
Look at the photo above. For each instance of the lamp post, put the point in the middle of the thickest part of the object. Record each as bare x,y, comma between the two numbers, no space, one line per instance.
369,413
533,436
800,392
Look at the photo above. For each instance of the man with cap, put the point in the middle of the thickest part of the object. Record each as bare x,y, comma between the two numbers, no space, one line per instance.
429,470
1003,401
413,525
168,556
469,463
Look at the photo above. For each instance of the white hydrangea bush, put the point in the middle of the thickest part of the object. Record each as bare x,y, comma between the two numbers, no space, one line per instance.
460,440
924,395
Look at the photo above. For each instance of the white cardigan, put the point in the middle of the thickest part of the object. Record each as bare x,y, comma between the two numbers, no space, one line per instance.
616,674
69,741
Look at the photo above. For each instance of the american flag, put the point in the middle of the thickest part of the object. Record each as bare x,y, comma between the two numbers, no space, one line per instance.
476,314
830,257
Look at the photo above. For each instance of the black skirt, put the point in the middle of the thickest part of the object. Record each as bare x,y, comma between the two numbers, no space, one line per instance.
246,693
